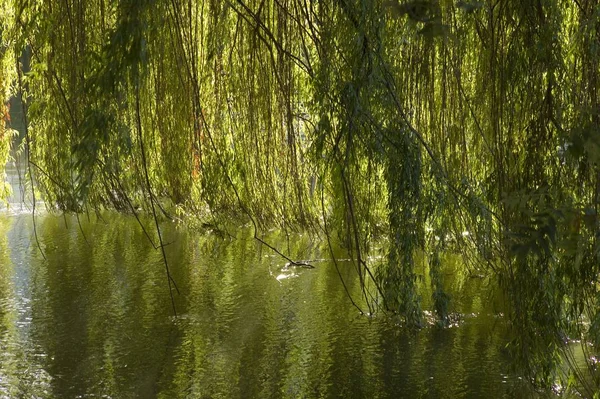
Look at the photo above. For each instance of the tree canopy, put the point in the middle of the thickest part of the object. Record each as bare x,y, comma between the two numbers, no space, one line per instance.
427,125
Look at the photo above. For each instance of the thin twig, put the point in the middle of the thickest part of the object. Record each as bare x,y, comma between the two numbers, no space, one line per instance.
337,268
28,149
170,279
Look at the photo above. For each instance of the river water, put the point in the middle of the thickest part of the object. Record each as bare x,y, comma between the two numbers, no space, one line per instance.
94,320
89,316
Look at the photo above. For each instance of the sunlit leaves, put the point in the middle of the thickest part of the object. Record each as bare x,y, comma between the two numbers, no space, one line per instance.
475,122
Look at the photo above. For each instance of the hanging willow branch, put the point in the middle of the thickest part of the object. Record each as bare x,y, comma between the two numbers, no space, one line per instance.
28,150
170,279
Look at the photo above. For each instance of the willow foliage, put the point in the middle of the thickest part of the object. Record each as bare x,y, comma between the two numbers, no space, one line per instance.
430,125
7,70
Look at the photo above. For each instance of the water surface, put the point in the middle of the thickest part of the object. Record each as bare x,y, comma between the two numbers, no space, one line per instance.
94,320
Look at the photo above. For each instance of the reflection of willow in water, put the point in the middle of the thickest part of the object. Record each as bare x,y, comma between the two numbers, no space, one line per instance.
100,315
247,334
99,309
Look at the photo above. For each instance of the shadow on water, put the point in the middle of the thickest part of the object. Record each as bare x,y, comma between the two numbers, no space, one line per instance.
95,320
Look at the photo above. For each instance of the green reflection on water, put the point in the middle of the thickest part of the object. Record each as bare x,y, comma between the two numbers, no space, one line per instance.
94,319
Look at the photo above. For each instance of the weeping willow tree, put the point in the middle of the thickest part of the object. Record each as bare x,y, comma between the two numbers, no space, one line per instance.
430,126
